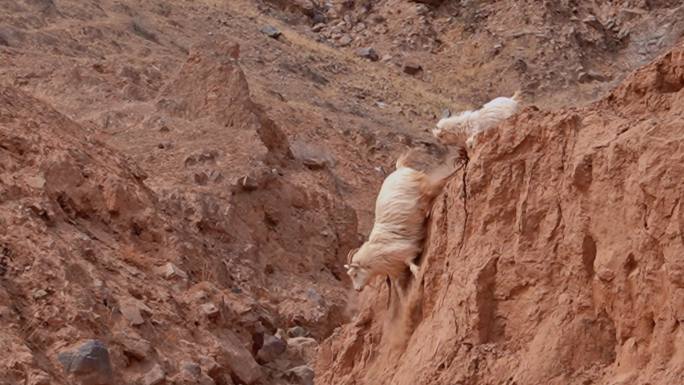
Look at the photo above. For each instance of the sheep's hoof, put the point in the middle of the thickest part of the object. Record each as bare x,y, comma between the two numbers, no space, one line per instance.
414,269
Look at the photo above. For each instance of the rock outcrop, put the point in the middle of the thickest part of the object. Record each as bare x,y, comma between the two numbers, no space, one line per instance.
556,257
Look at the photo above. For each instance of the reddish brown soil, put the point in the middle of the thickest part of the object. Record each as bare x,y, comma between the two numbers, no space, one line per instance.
180,186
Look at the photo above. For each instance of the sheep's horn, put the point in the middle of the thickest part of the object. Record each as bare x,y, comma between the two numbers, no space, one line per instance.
352,266
350,255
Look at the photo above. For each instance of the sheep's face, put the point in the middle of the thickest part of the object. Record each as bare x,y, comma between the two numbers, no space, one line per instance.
453,130
359,276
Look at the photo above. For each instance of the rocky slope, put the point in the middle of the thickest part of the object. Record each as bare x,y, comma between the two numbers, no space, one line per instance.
559,52
554,258
180,180
168,282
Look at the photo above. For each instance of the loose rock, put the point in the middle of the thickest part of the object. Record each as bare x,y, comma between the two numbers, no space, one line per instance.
368,53
345,40
89,362
271,348
412,68
171,271
271,31
135,347
156,376
304,375
303,347
132,310
40,293
297,331
210,310
233,355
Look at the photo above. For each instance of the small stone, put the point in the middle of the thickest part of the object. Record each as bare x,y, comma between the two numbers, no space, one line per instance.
134,347
210,310
303,347
605,274
589,76
201,178
40,293
248,183
583,77
368,53
192,368
319,18
520,66
318,27
132,311
37,181
344,41
422,9
315,163
593,21
430,2
271,31
282,334
271,349
313,295
412,68
231,354
215,175
156,376
39,378
89,361
171,271
297,331
312,155
304,375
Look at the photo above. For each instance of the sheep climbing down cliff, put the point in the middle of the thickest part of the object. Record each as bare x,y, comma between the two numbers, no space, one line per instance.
462,129
401,210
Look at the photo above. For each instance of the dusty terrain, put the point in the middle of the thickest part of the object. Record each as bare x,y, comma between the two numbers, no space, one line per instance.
183,188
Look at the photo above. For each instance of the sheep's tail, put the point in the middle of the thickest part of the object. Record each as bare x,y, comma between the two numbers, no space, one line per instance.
516,96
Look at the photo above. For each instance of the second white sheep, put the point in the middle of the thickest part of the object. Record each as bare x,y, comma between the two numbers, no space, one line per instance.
401,210
461,129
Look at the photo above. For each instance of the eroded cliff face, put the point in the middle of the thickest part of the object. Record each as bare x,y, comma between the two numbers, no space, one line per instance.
555,257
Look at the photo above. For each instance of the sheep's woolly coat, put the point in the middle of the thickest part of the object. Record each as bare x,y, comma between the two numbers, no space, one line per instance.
401,210
461,129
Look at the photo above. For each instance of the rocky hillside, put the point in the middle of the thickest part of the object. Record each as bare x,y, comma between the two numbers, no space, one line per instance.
181,180
556,257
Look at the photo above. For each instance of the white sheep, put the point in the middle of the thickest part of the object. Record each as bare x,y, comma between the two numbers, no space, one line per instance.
461,129
401,209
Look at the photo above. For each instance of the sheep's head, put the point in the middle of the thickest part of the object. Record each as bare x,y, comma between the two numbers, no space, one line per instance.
452,130
358,274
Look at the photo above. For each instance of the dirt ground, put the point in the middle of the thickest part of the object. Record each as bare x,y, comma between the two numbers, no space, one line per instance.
182,180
